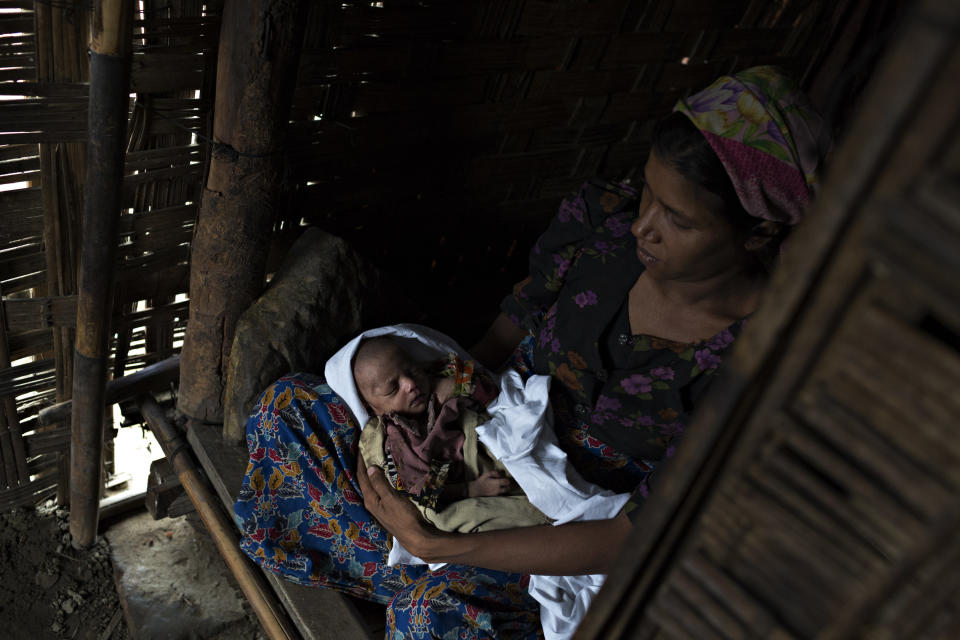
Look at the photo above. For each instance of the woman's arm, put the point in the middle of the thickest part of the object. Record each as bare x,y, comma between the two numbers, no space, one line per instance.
498,343
570,549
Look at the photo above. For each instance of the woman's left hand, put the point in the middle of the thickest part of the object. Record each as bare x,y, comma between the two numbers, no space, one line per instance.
395,513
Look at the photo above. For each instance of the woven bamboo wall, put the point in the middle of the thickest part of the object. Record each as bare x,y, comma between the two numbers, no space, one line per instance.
42,134
437,137
441,136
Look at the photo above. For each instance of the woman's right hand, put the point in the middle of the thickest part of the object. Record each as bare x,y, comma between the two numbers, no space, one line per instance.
395,513
569,549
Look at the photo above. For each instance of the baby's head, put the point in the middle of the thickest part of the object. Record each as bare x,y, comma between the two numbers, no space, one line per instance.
388,379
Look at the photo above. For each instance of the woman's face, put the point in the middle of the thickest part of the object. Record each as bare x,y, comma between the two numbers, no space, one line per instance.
682,233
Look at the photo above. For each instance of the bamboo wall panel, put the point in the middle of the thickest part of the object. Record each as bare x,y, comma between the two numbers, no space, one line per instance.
492,111
175,55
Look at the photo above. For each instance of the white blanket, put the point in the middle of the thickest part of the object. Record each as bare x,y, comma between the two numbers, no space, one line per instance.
520,434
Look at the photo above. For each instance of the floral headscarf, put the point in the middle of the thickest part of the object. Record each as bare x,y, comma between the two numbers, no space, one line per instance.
768,136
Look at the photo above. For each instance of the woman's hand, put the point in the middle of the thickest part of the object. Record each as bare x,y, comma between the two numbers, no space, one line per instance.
569,549
395,513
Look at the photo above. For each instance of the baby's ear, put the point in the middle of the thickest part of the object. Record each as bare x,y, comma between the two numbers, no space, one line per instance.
761,234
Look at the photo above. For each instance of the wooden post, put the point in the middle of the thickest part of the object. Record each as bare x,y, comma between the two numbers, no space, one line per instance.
110,51
256,73
271,615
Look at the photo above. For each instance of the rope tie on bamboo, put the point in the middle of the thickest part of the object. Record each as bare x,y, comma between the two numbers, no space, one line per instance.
182,446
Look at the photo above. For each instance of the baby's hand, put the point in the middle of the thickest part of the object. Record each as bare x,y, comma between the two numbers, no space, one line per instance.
443,389
490,483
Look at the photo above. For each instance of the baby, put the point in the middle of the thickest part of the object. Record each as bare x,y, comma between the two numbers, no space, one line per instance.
422,434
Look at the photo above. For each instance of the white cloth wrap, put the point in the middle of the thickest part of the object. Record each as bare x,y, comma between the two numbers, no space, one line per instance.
520,434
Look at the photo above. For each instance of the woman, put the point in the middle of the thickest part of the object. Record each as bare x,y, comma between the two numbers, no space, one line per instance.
632,301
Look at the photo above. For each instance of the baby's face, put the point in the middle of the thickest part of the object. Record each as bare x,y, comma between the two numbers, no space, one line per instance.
391,382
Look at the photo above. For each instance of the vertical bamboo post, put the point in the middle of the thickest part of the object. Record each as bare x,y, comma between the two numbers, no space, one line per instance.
110,51
257,66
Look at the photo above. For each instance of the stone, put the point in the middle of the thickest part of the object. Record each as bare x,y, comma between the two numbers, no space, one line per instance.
324,293
179,587
47,580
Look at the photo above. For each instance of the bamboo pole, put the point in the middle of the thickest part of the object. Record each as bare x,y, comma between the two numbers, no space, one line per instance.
150,378
110,51
257,66
271,615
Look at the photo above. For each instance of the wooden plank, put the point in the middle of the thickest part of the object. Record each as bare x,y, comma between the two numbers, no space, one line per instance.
320,614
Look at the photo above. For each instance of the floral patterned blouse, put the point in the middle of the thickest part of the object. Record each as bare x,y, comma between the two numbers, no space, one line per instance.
634,393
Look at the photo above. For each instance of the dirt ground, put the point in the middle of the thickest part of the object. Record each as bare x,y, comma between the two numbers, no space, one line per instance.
172,583
48,590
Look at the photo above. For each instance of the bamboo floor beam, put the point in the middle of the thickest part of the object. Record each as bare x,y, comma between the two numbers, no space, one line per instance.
271,615
110,52
150,378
